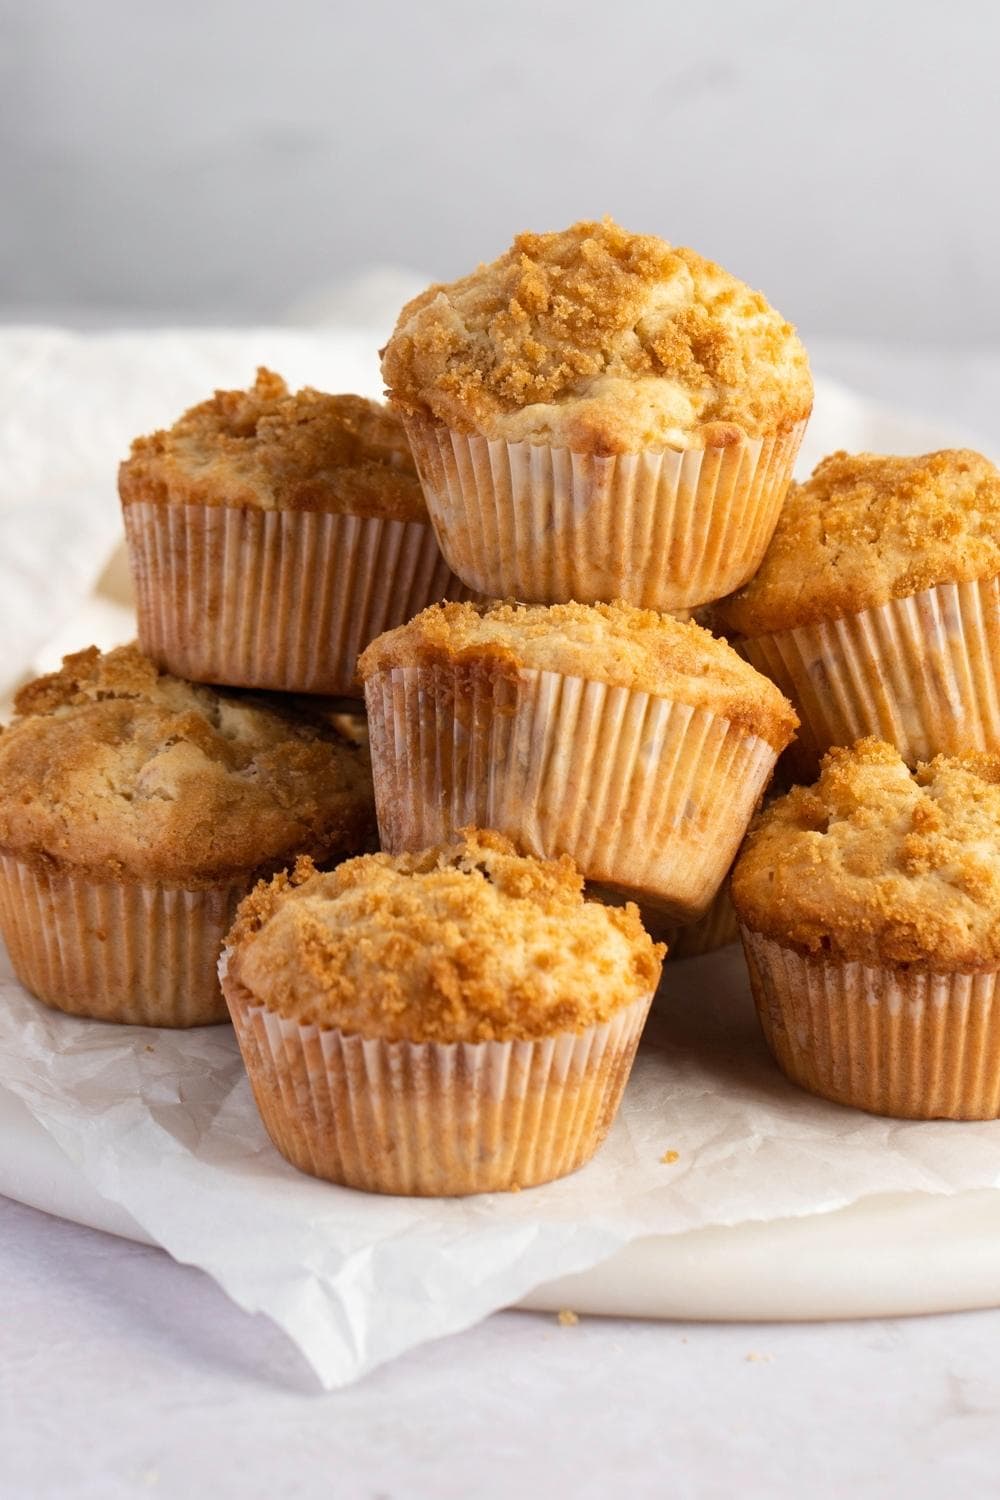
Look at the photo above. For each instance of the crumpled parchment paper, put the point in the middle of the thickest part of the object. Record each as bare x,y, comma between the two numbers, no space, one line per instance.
164,1123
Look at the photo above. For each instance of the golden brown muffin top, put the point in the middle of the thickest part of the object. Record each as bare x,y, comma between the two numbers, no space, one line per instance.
114,767
469,942
880,864
600,341
865,529
613,643
272,450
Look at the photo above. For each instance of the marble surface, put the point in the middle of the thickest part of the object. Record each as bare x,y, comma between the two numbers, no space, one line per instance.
125,1374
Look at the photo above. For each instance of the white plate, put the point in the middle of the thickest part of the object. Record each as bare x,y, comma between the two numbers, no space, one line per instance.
887,1256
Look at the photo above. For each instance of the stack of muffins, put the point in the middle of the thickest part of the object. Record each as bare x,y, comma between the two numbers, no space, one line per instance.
869,903
587,443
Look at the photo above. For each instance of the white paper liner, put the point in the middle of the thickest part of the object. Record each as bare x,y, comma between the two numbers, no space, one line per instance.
282,600
920,672
664,530
893,1041
142,954
649,796
716,929
433,1120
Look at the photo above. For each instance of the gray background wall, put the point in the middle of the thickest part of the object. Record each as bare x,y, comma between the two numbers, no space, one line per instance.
228,160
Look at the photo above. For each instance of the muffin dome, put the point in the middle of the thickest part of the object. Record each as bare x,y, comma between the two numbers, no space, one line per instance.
471,942
880,865
865,529
600,341
272,450
612,643
114,767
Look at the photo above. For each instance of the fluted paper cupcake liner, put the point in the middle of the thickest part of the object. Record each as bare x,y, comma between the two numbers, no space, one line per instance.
427,1119
716,929
283,600
648,795
142,954
922,673
667,530
893,1041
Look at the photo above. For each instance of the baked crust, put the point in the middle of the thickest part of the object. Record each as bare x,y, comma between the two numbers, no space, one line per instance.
130,774
880,865
866,528
600,341
273,450
613,643
469,942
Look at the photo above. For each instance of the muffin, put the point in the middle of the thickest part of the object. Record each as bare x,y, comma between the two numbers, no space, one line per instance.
635,743
598,415
271,536
455,1021
135,812
877,607
869,907
717,928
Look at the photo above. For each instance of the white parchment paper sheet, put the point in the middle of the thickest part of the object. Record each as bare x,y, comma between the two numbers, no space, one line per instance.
164,1123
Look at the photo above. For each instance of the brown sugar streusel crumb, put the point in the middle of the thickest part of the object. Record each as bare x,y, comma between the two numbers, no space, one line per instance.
600,341
118,768
866,528
468,942
617,644
880,865
270,449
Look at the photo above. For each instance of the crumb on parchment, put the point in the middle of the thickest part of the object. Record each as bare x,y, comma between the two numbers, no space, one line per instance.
669,1157
566,1318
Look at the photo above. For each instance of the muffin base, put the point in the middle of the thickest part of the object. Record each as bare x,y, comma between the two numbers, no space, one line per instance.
282,600
666,529
424,1119
718,928
649,796
893,1041
141,954
921,672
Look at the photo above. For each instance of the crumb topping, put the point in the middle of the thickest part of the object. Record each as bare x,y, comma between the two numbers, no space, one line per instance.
468,942
268,448
600,341
614,643
879,864
117,768
866,528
